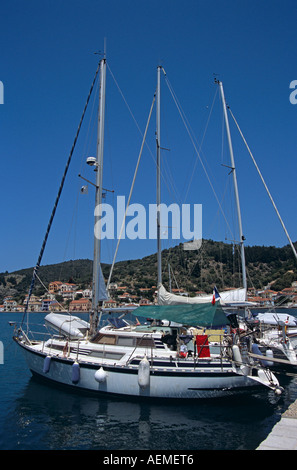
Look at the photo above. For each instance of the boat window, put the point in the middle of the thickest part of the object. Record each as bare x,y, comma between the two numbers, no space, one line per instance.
104,339
125,341
145,342
111,355
56,346
107,355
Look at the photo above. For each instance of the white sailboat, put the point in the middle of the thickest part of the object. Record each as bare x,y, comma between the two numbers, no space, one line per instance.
272,332
141,361
276,333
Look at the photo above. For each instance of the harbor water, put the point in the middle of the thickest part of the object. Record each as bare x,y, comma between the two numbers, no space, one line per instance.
38,416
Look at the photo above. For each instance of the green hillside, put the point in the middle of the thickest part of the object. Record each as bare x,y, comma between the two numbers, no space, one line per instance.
216,263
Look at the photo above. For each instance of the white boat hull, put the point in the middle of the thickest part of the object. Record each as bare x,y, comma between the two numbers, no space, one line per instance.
176,383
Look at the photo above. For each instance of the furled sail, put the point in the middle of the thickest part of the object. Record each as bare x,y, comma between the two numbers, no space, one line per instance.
226,297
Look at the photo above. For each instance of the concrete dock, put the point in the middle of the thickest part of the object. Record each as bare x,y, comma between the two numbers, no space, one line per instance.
283,435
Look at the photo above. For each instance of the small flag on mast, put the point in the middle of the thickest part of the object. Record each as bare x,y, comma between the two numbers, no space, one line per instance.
215,295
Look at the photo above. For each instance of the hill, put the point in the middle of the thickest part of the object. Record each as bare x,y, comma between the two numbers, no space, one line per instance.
216,263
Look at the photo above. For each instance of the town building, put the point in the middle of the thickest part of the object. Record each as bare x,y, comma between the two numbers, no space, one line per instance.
9,305
110,303
45,305
87,293
144,302
54,286
80,305
67,286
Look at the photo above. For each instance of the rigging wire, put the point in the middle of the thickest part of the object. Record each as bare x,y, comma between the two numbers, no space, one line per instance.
35,270
72,227
265,185
131,191
184,119
189,129
47,290
91,129
198,152
164,172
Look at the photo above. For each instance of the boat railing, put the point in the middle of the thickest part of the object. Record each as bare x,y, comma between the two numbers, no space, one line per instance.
140,345
209,346
206,349
32,336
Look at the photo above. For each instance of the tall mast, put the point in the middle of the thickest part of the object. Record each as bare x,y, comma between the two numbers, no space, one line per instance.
158,177
98,198
241,237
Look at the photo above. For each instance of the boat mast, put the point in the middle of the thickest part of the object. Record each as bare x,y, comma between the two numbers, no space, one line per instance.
98,200
158,177
241,237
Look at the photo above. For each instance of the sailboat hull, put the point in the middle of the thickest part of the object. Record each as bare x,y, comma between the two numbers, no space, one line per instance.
205,381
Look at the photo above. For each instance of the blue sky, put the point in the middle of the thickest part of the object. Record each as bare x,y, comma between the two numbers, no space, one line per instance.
47,66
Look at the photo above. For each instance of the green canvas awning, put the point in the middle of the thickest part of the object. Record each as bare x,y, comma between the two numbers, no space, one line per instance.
205,315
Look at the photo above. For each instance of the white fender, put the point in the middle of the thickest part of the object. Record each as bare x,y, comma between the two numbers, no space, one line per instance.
75,372
144,373
269,353
236,353
100,375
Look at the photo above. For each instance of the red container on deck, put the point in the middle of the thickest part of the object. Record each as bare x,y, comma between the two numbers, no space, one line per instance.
202,346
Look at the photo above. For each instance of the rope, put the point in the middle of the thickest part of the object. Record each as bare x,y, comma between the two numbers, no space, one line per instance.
58,197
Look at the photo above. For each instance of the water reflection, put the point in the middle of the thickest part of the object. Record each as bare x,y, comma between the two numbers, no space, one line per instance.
46,417
38,416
